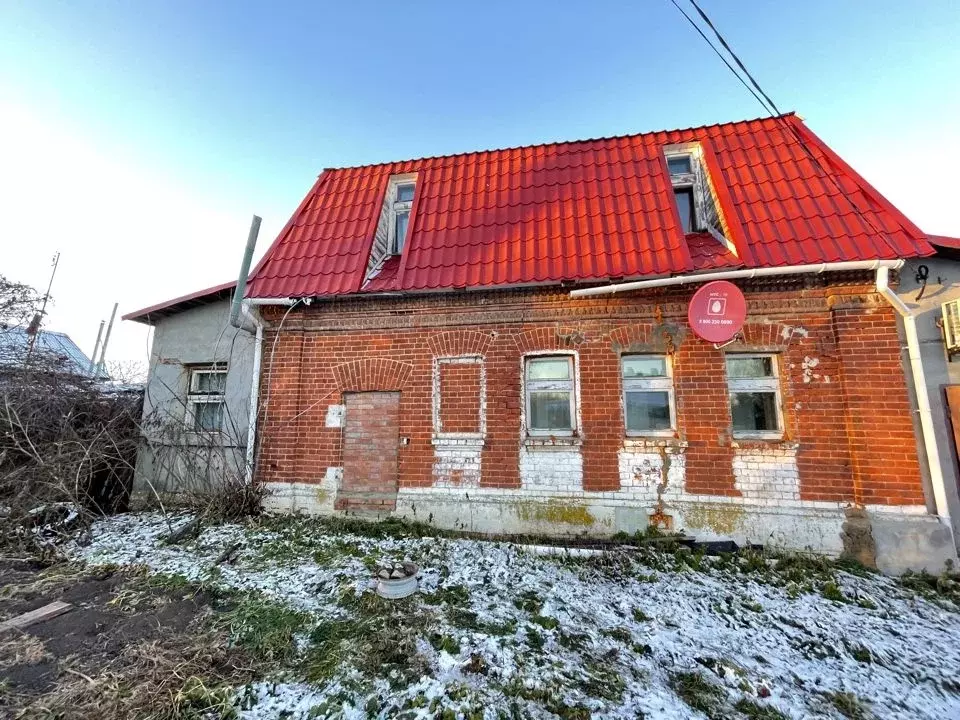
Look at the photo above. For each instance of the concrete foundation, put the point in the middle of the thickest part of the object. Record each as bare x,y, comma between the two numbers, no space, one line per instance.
900,538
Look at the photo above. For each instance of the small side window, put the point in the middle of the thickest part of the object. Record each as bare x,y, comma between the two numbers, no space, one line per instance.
205,400
550,401
648,403
754,387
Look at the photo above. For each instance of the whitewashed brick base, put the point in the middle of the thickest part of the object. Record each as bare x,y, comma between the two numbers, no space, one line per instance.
642,471
456,464
551,469
767,473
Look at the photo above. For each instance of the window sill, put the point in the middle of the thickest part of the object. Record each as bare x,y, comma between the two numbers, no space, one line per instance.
458,439
747,442
551,441
652,442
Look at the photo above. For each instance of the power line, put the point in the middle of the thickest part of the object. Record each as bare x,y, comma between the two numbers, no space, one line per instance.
770,106
720,55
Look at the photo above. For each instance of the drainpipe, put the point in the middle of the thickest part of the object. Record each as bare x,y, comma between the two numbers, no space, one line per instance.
254,401
882,268
920,387
247,323
815,268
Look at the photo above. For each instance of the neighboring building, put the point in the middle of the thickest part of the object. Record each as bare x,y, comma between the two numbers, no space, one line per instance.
930,288
57,346
197,400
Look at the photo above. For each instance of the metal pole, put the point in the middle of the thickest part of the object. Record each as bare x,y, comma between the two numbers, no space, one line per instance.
244,271
103,350
96,346
43,308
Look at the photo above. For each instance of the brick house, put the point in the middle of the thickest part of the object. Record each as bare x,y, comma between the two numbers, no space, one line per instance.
498,341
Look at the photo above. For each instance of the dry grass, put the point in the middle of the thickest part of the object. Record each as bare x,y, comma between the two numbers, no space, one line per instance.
175,678
18,648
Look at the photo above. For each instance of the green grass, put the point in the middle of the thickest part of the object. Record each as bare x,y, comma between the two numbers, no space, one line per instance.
698,692
756,711
264,628
848,705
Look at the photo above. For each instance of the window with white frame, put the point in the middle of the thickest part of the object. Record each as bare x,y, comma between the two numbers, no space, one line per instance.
205,399
648,404
400,214
551,396
754,384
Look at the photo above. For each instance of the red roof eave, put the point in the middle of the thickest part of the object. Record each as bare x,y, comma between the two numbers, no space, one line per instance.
143,315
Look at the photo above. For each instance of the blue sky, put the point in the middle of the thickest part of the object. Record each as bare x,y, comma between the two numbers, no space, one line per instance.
139,137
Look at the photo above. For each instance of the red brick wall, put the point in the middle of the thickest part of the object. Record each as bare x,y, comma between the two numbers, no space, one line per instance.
844,397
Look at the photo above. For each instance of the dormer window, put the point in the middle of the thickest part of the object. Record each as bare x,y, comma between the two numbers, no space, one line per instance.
402,191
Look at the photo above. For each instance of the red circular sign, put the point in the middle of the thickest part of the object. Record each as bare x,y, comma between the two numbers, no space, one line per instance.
717,311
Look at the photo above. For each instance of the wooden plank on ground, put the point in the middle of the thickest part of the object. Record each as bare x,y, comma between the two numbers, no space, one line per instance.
33,617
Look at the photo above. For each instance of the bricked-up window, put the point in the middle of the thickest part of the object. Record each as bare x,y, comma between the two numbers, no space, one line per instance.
205,398
458,401
647,395
754,395
551,401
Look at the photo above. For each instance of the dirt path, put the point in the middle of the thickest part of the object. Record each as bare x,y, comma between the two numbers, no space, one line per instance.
101,657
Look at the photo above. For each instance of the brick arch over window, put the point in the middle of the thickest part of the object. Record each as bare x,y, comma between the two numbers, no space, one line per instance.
775,336
371,374
626,336
459,342
548,338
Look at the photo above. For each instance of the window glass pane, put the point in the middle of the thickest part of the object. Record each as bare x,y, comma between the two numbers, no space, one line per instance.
644,367
404,193
548,369
207,417
648,411
749,367
679,164
209,382
753,411
685,206
402,219
550,411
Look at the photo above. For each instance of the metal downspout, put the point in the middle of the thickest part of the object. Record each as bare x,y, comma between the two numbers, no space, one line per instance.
920,387
254,400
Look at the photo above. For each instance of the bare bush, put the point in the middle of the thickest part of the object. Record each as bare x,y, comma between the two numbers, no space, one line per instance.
67,447
202,471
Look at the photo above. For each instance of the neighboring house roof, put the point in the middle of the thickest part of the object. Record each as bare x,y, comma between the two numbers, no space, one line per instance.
589,210
944,241
150,315
14,342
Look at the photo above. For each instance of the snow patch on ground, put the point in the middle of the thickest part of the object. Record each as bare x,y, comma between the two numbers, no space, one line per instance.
607,635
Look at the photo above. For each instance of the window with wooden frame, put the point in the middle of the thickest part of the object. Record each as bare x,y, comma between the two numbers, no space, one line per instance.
755,405
648,400
206,398
550,388
402,203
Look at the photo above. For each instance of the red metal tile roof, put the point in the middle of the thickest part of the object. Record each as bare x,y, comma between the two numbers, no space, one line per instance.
587,210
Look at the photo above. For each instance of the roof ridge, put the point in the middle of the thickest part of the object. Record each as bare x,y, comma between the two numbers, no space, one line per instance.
423,158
